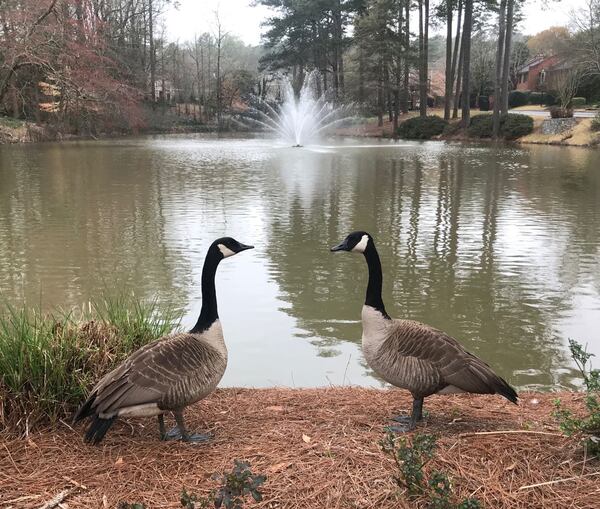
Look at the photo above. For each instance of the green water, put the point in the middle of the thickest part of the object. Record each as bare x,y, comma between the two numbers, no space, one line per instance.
500,247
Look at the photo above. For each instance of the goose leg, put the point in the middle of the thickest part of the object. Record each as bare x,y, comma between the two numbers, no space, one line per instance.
161,427
409,422
180,433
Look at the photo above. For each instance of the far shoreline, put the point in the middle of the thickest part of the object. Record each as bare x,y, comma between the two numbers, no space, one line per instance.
27,132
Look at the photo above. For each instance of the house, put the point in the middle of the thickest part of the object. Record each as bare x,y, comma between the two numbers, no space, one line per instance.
535,73
165,91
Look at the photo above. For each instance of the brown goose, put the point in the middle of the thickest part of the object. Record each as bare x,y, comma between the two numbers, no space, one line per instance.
412,355
170,373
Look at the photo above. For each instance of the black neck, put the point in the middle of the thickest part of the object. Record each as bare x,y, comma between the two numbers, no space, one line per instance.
208,313
373,297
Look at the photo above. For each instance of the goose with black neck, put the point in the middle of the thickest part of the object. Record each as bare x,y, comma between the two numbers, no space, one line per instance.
170,373
412,355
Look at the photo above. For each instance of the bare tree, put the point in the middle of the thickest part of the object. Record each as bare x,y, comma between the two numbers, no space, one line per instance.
586,43
219,36
565,83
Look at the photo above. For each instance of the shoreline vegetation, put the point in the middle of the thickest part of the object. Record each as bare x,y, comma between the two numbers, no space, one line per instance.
580,135
318,448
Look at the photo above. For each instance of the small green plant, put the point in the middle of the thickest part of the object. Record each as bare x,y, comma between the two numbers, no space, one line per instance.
586,427
411,459
234,488
422,128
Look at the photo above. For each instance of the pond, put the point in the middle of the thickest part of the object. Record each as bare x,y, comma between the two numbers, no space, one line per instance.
498,246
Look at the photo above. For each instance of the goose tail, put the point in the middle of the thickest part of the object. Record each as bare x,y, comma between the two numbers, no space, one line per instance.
85,410
504,389
98,428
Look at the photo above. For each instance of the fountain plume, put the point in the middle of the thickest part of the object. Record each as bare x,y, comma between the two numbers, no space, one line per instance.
301,119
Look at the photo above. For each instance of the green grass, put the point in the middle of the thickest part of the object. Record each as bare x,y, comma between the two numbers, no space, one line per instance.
48,362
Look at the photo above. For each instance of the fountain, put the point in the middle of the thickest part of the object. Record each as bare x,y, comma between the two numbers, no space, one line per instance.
302,119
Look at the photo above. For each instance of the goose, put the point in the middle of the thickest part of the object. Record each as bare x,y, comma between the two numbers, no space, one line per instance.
412,355
170,373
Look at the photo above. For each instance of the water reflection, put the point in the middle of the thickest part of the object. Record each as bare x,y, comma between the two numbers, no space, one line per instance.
497,246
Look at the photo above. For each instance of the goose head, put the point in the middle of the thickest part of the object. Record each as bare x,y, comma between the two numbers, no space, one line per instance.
228,246
356,242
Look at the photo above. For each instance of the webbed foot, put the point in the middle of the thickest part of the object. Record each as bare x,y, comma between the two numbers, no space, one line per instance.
175,434
401,428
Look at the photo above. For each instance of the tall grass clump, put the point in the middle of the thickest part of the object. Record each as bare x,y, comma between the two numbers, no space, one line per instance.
49,361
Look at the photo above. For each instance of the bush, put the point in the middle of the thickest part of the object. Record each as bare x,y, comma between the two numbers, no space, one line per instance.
512,126
480,126
517,98
588,427
577,102
484,103
49,362
422,128
596,122
558,112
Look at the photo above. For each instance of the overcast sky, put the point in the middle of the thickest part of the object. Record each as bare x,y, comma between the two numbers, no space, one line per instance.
238,17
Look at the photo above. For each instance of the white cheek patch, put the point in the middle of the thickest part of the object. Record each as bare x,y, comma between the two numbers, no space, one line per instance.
225,251
362,245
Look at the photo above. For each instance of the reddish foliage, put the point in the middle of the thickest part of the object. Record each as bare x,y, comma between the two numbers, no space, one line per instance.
64,45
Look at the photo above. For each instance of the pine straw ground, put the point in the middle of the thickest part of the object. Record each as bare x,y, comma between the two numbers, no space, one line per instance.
319,449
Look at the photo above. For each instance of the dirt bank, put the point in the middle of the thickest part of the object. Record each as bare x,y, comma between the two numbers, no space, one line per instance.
319,449
581,135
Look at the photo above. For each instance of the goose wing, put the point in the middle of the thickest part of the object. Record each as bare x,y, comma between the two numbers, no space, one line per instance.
162,372
442,357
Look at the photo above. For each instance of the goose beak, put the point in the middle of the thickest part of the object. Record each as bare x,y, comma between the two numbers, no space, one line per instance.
340,247
243,247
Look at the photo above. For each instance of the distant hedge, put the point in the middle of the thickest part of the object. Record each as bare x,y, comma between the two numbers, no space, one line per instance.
512,126
541,98
578,101
518,98
422,128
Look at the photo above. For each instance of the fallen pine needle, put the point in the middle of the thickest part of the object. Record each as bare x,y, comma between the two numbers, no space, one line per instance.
558,480
506,432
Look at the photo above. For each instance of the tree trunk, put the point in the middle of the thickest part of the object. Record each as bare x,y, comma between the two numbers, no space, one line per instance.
507,47
406,74
448,77
456,53
361,75
458,81
380,95
423,47
499,61
152,54
466,43
398,72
